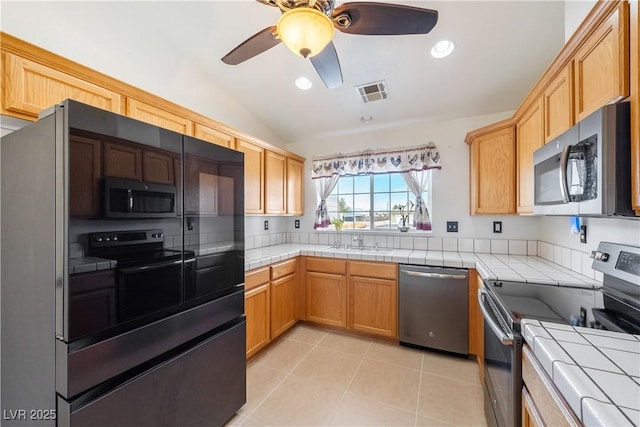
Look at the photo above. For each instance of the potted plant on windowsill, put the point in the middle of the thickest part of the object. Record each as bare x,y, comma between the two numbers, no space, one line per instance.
337,223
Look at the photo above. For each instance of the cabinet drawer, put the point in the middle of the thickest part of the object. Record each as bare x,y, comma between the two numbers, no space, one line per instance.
326,265
256,277
282,269
376,270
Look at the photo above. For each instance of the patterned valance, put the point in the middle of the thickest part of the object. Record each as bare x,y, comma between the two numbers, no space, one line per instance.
373,162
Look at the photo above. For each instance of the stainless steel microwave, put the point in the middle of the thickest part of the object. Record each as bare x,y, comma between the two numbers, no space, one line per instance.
124,198
587,169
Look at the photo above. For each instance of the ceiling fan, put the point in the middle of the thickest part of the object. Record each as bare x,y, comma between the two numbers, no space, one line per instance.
306,27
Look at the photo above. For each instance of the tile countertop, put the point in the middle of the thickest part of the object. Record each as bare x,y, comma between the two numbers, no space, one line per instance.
597,372
519,268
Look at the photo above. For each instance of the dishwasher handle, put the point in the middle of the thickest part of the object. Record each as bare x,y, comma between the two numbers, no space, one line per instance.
434,275
506,339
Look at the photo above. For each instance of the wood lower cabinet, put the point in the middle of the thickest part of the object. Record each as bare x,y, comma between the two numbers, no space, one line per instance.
284,283
476,321
157,116
373,298
493,169
543,405
529,137
601,65
84,177
30,87
327,298
295,187
92,302
257,308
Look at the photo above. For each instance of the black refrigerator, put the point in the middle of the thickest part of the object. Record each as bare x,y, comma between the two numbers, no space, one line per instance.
122,293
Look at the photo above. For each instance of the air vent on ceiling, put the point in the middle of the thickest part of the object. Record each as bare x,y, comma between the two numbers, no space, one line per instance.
375,91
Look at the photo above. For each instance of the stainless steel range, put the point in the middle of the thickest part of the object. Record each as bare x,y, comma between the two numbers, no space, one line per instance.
615,306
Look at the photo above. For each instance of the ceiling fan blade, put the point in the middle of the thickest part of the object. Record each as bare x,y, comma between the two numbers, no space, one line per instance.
384,19
254,45
327,65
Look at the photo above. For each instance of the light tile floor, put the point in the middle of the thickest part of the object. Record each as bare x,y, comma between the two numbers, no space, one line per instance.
314,377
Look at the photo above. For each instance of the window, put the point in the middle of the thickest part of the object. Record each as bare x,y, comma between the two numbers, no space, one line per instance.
372,202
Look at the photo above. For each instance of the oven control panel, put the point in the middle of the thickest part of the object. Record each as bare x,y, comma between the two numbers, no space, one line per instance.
617,260
117,238
629,263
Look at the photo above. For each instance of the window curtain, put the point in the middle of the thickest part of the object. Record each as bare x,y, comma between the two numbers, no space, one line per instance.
375,162
324,187
418,181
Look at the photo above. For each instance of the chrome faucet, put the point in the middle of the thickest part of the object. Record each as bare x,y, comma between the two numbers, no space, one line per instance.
359,240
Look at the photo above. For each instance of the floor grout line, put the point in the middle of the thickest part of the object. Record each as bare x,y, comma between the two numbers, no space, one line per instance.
415,422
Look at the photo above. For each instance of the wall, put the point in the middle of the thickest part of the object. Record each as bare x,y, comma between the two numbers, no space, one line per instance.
574,13
450,197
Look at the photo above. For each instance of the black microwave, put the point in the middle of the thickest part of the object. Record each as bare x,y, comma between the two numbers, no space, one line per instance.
125,198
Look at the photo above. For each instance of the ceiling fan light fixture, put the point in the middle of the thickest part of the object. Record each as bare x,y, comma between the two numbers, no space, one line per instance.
442,49
305,31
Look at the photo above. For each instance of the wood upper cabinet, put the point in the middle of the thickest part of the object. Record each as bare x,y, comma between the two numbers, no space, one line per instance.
253,176
212,135
373,299
295,187
84,176
122,161
635,104
557,106
30,87
275,168
529,137
157,167
159,117
257,308
493,170
601,65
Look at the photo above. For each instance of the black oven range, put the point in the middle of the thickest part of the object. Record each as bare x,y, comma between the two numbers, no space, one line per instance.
615,306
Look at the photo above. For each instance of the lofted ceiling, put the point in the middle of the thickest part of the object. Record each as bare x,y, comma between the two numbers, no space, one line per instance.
502,48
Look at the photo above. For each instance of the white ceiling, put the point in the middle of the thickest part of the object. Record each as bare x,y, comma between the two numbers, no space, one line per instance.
502,48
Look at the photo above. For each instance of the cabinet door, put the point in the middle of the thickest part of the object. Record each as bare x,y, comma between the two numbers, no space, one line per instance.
601,65
159,117
283,304
157,167
257,308
326,299
253,176
30,87
373,306
528,139
214,136
275,171
493,173
558,104
295,187
84,177
122,161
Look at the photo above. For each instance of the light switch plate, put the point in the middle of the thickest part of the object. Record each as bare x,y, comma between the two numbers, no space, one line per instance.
497,226
296,223
266,224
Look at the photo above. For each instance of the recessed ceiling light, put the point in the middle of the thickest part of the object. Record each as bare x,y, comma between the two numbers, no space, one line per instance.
303,83
442,48
366,119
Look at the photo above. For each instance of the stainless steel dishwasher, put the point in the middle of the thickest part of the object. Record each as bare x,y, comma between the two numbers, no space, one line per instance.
433,307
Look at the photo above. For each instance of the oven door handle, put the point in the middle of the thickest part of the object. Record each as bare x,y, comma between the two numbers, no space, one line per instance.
506,339
151,267
564,182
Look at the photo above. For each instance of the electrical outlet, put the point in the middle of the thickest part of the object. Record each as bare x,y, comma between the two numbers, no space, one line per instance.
452,226
583,234
266,224
296,223
497,226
